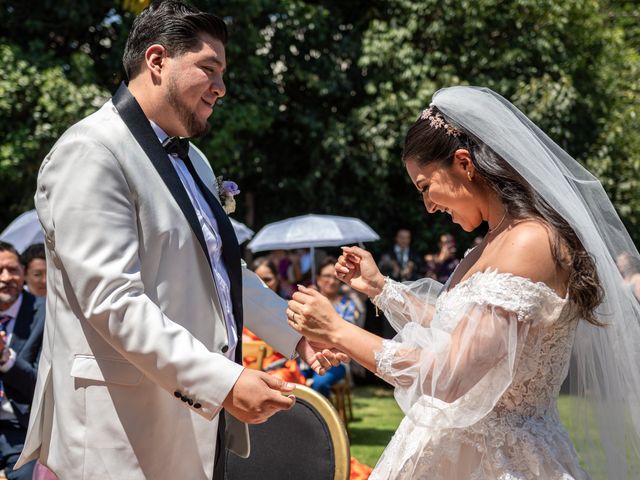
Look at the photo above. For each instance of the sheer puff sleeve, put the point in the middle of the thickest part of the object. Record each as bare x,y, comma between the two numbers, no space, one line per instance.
408,302
449,372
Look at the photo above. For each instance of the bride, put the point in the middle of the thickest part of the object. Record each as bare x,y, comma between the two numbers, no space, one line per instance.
478,363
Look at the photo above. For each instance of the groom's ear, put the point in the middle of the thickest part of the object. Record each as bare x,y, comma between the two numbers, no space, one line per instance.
154,59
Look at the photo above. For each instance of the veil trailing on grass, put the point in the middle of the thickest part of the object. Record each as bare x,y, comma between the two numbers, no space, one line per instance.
605,373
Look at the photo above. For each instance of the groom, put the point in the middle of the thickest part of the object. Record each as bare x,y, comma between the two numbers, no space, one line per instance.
147,296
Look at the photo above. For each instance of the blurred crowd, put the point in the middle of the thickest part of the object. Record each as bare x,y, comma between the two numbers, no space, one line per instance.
283,270
23,285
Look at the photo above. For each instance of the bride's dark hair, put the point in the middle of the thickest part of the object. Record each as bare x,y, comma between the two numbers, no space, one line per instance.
428,142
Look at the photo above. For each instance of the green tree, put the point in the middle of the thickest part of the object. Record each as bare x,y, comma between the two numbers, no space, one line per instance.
615,154
546,56
320,93
84,37
36,106
282,131
60,61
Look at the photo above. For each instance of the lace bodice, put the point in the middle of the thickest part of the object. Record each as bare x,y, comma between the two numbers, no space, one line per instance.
531,301
478,374
544,358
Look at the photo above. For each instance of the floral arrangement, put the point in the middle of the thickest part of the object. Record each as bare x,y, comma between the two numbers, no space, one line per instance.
226,191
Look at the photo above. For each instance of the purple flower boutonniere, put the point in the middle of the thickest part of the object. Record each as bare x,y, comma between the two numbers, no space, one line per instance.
226,191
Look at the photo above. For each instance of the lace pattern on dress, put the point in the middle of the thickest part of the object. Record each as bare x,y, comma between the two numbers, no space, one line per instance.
408,302
391,292
384,357
521,438
527,299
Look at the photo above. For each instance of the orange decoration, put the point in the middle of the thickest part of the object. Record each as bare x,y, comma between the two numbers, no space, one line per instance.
289,372
359,471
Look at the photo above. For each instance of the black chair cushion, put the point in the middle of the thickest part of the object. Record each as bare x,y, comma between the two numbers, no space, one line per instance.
291,445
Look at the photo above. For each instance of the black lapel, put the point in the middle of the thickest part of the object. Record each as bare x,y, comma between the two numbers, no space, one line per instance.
136,121
22,327
230,251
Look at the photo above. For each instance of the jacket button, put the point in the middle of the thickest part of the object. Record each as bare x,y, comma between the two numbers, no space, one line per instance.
183,398
177,394
196,405
189,401
225,348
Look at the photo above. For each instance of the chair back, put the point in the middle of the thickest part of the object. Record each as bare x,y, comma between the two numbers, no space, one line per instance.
254,353
307,442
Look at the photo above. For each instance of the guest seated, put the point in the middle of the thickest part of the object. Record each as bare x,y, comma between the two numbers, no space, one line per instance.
441,265
35,269
285,271
329,286
21,330
267,271
401,262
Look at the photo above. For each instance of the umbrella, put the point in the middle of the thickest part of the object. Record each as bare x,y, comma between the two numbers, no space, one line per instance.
23,231
310,231
243,233
26,230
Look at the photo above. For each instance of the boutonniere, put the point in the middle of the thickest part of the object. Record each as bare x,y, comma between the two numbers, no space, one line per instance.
226,191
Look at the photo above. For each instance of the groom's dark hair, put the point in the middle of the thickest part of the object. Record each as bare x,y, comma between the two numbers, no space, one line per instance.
172,24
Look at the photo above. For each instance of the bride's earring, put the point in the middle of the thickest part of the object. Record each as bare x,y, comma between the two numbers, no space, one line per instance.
470,177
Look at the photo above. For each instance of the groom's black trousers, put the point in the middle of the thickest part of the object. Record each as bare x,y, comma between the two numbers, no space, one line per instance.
218,467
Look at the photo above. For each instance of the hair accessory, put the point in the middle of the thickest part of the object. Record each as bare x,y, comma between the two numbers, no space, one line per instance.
437,121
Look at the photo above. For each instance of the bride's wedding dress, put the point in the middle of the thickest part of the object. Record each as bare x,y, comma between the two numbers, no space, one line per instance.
477,371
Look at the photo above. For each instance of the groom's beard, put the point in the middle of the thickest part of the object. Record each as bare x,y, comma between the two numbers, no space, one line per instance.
194,126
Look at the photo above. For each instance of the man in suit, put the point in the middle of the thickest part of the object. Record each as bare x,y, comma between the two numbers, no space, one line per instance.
401,263
21,326
146,293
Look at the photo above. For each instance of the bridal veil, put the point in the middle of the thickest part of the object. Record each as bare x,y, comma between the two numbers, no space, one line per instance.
605,369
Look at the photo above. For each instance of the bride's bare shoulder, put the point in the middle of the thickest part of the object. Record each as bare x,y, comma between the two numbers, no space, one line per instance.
525,249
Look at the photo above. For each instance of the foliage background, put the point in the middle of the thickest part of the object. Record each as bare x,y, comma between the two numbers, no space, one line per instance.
320,93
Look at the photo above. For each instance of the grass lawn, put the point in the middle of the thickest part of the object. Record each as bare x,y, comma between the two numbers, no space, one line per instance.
377,416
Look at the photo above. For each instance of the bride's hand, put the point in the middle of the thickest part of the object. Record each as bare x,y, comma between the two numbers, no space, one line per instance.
357,269
313,315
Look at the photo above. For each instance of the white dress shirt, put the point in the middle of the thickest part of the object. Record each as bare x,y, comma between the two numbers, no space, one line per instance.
212,239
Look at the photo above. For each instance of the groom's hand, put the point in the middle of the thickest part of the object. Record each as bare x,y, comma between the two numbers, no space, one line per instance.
256,396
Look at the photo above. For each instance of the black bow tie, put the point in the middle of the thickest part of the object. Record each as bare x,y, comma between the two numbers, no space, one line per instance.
177,146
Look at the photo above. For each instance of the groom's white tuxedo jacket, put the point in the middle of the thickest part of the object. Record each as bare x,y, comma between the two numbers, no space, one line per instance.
132,374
